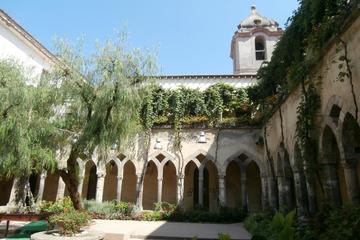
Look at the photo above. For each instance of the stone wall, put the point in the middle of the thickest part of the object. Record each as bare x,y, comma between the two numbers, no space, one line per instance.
337,130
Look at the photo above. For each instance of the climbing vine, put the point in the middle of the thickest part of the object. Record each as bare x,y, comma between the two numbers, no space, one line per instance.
220,104
306,126
313,24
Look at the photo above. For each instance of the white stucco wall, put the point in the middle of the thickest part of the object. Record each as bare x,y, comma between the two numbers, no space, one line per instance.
14,46
203,82
247,63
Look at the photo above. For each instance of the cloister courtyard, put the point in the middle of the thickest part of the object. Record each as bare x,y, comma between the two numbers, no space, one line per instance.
103,146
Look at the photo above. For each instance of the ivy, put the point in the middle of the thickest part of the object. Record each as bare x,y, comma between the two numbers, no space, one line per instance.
306,124
219,104
313,24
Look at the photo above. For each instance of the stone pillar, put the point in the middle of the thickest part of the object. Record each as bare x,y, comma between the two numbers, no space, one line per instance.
81,183
244,195
119,188
41,186
159,189
139,191
264,193
180,189
222,191
301,202
61,189
331,183
282,190
351,179
273,193
100,186
201,188
12,197
310,190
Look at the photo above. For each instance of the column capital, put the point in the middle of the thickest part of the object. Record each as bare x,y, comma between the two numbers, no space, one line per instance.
180,175
263,175
222,176
101,174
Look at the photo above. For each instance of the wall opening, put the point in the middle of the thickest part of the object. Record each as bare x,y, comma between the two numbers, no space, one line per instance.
260,49
128,192
169,183
150,186
110,184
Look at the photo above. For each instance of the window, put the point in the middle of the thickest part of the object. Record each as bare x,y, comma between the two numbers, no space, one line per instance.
260,53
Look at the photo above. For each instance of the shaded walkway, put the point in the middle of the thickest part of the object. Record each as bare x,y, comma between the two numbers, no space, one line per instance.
116,229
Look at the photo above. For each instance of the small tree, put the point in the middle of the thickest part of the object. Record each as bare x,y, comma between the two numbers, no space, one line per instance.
24,127
98,102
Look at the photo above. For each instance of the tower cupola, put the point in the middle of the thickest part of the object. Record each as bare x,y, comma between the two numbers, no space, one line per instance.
253,42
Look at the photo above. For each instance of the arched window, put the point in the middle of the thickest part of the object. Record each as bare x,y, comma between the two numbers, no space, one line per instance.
260,52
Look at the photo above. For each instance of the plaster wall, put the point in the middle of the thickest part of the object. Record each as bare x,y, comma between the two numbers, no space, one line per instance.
14,46
204,82
331,91
247,63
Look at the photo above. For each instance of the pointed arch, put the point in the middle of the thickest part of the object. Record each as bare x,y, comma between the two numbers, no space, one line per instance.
251,157
128,193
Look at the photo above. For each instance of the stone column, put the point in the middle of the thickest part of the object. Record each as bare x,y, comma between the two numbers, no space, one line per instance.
244,195
139,191
100,186
301,202
222,191
41,186
273,192
310,190
351,179
264,192
61,189
180,189
282,190
331,183
201,188
119,187
81,183
12,197
159,189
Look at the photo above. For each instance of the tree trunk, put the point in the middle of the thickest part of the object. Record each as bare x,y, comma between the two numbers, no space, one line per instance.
72,187
70,178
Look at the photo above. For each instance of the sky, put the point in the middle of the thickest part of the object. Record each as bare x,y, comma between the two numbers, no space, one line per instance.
189,36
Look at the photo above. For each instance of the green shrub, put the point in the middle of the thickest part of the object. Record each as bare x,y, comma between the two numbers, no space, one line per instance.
125,208
69,222
223,236
58,206
259,226
150,216
164,206
334,223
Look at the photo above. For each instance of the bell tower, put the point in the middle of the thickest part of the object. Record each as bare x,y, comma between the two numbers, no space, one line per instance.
253,43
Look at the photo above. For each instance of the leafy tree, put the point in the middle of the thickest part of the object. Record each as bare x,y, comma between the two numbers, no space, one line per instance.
24,127
98,101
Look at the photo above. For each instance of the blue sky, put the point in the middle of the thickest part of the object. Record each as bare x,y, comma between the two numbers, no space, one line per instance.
191,36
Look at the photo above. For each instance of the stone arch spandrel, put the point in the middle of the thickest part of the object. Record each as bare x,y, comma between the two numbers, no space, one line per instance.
208,157
251,156
118,163
160,165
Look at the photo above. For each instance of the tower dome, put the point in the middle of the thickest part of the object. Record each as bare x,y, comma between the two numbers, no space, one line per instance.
255,20
253,43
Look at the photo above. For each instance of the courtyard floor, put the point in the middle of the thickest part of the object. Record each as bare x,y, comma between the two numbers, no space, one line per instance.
116,229
131,230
